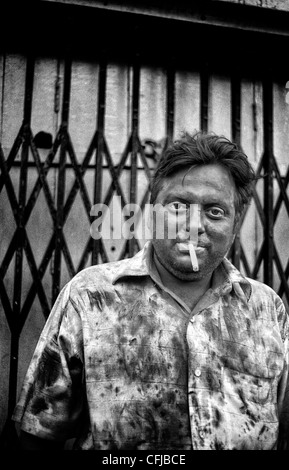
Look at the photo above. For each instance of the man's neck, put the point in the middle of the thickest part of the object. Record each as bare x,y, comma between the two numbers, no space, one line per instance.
189,291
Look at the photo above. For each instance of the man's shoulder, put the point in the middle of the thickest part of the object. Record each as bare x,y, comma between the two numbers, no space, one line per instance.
269,306
261,286
100,274
265,293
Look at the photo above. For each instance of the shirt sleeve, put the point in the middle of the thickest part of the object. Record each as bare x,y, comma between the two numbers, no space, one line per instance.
283,389
52,399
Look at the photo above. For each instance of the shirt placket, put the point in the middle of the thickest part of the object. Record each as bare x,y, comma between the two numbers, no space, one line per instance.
199,413
200,367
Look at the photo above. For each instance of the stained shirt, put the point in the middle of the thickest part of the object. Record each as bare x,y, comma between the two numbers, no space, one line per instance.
122,363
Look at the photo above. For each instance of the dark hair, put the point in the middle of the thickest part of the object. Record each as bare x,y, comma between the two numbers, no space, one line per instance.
204,149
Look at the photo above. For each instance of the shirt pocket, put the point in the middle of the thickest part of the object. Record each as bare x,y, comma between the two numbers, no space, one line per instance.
246,388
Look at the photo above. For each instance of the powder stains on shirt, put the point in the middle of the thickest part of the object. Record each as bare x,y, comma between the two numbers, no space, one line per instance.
128,369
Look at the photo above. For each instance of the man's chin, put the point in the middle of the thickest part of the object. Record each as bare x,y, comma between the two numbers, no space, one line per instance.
186,273
189,277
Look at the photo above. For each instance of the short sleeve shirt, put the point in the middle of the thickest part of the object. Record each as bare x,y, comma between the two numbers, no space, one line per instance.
122,363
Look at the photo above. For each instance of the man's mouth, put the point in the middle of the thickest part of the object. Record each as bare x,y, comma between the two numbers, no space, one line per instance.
189,247
184,247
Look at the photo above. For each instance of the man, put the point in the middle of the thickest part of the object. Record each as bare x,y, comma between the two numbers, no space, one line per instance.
153,353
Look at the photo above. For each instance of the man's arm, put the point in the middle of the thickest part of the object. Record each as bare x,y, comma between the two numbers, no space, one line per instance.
31,442
51,402
283,403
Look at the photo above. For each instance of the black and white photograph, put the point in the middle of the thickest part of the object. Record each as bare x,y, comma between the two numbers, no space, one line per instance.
144,228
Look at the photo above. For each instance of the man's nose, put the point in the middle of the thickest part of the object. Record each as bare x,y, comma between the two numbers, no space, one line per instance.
196,222
201,222
191,225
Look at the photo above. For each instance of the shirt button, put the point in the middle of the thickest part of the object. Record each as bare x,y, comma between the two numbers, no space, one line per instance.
198,372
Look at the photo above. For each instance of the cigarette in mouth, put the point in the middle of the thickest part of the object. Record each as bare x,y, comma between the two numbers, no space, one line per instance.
189,246
194,259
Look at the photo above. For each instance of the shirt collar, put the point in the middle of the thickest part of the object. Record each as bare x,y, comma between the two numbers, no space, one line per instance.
135,266
226,277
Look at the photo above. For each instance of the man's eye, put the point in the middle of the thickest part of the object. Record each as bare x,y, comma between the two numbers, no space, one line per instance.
215,212
177,207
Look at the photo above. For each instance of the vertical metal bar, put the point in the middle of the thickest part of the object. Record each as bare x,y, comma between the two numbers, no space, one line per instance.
2,96
18,273
61,182
268,179
170,103
236,137
96,245
204,78
134,149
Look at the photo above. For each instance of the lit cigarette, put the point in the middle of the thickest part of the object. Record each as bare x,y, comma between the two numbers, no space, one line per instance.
193,236
189,246
194,259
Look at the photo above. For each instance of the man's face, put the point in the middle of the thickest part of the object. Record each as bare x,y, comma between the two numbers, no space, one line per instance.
212,188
